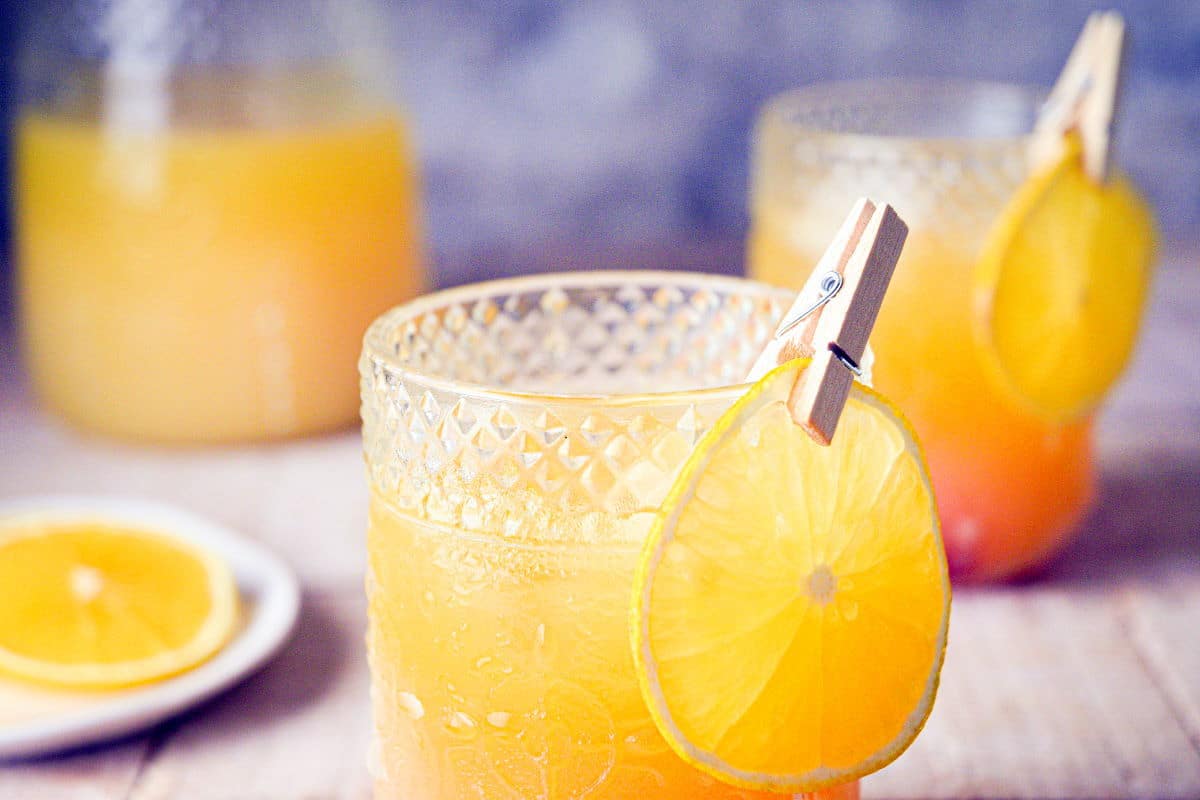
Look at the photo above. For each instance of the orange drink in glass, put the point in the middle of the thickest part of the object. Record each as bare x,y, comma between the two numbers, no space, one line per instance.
520,438
206,276
1012,484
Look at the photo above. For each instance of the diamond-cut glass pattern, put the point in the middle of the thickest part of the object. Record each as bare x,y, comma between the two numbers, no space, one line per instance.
820,148
564,395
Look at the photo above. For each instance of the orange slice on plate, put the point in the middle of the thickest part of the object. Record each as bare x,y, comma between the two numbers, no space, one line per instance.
101,606
792,601
1060,287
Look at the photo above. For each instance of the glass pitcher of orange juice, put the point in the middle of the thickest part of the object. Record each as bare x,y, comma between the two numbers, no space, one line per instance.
213,201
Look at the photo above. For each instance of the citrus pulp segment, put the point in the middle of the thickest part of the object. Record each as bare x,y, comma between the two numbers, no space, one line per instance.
92,605
792,601
1061,284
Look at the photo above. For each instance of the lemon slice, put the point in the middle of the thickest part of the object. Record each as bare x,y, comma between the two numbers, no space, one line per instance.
102,606
1061,284
792,601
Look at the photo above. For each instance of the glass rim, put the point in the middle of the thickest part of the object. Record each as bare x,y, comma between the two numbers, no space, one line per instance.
778,110
376,349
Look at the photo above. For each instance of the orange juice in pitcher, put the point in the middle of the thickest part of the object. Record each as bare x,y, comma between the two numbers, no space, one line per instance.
203,235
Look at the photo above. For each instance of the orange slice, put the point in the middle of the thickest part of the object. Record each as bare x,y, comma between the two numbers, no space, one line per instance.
792,601
1060,287
93,605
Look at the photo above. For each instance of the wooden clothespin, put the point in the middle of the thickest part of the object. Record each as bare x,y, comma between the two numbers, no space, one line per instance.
832,317
1084,98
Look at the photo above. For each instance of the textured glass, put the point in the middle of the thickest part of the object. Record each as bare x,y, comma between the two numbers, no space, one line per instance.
949,156
590,389
520,437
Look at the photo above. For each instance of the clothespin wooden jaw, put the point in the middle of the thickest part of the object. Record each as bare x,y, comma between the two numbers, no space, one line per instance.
1084,98
832,317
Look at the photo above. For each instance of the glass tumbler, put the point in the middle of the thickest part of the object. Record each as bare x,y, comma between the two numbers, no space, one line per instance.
213,202
520,436
1011,487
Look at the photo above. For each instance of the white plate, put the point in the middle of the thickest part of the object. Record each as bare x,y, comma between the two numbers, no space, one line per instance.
36,721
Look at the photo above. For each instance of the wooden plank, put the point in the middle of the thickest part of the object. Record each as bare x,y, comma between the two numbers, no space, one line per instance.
105,773
1043,696
1164,625
299,729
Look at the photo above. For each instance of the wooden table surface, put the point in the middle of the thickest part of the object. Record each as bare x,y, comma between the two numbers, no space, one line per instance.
1082,683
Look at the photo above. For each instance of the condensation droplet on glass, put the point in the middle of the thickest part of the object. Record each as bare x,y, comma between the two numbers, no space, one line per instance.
411,705
462,725
498,719
376,767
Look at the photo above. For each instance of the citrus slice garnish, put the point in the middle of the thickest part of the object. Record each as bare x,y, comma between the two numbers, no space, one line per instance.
792,600
88,604
1061,284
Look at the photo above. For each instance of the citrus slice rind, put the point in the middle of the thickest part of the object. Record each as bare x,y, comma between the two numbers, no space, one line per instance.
791,604
1060,287
104,606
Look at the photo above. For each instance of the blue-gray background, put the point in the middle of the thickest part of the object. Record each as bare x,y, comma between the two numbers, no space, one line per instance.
558,133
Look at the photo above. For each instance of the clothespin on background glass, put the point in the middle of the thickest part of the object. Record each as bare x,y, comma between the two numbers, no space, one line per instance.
1084,98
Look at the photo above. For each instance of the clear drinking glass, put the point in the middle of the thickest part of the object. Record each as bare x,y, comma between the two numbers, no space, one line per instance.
213,202
1011,487
520,436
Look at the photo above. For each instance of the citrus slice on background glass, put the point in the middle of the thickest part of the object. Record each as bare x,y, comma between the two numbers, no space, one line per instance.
95,605
1061,284
792,601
